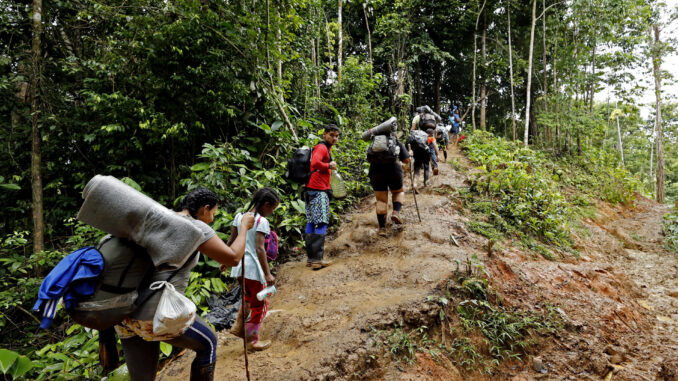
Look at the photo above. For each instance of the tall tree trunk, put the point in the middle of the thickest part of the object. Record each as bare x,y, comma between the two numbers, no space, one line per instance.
341,40
529,73
619,139
278,40
475,54
36,158
483,83
369,37
652,143
656,70
592,84
438,73
513,98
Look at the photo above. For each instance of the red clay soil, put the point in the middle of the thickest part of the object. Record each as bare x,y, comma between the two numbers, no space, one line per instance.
619,299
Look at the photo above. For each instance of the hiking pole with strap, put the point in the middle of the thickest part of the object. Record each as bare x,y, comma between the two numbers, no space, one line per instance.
414,193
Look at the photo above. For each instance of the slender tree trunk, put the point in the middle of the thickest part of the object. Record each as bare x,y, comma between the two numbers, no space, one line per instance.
341,40
656,70
652,143
369,37
529,73
619,139
543,57
438,74
483,83
592,85
475,54
278,38
513,98
36,153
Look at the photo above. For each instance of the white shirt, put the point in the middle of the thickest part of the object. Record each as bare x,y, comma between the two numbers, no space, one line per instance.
253,269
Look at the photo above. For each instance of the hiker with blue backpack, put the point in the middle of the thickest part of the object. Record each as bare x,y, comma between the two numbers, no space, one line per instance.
455,120
139,342
257,274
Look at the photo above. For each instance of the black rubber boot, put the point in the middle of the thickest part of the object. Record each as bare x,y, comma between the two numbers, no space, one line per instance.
203,372
315,247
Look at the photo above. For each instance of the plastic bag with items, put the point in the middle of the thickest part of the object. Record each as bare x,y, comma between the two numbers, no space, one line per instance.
175,312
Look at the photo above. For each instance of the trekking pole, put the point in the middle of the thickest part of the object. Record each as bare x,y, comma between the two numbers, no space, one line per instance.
242,306
414,193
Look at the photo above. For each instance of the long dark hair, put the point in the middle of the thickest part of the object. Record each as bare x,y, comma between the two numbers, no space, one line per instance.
196,199
263,196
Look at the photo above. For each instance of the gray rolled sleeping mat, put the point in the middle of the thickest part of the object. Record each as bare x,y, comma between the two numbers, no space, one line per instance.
120,210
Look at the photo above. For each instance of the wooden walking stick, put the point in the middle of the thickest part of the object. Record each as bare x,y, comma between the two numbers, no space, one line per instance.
414,193
242,306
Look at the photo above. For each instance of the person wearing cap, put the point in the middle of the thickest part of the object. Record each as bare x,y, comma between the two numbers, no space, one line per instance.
455,120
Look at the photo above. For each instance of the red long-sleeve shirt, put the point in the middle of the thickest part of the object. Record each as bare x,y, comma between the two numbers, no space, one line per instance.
320,168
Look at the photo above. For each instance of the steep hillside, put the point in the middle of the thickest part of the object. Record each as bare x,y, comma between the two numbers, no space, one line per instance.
397,307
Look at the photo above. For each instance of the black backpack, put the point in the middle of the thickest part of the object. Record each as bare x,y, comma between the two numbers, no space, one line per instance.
418,140
426,121
299,166
383,149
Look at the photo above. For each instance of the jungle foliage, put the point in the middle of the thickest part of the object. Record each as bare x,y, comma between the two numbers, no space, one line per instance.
176,94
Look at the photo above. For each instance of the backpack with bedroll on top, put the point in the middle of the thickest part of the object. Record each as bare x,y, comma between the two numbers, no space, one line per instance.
426,121
383,149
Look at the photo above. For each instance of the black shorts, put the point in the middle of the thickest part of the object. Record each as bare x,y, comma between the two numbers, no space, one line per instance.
384,179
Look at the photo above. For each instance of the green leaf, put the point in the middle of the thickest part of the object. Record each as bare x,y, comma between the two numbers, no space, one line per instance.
131,183
122,373
165,348
7,359
10,186
200,167
22,365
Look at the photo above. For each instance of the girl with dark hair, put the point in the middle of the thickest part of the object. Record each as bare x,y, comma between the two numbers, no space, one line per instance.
257,275
141,346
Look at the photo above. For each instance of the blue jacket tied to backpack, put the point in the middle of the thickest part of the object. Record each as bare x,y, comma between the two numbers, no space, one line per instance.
71,279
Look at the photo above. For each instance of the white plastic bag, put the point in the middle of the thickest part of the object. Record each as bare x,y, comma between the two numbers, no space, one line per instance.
175,312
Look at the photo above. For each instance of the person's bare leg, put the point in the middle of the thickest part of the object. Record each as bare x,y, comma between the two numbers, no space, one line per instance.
397,197
381,207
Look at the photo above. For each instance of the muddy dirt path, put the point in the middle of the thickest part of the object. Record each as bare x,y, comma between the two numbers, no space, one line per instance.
320,321
618,299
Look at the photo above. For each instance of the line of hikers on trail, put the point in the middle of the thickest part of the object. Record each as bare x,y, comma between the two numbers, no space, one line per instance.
132,283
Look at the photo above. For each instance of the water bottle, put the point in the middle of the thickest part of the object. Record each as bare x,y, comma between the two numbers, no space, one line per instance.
265,293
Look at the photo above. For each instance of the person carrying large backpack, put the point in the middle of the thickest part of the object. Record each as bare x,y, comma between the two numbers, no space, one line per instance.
318,198
141,346
417,142
387,157
424,120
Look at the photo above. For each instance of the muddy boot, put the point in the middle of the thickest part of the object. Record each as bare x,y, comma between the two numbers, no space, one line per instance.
237,328
321,265
253,342
395,217
202,372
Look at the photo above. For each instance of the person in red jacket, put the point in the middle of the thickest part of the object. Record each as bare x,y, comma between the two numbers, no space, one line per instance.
317,198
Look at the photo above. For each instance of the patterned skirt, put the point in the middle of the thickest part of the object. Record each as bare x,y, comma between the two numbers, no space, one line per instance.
317,207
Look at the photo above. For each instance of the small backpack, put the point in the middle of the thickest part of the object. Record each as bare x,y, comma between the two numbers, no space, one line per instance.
426,121
383,149
299,166
419,141
270,244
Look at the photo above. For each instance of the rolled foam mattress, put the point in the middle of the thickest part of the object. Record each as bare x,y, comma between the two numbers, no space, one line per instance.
120,210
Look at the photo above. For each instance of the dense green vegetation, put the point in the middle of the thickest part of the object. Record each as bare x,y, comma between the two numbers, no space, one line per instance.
535,196
174,94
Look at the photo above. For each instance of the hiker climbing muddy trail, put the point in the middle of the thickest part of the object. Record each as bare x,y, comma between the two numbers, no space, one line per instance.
617,305
321,321
338,190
